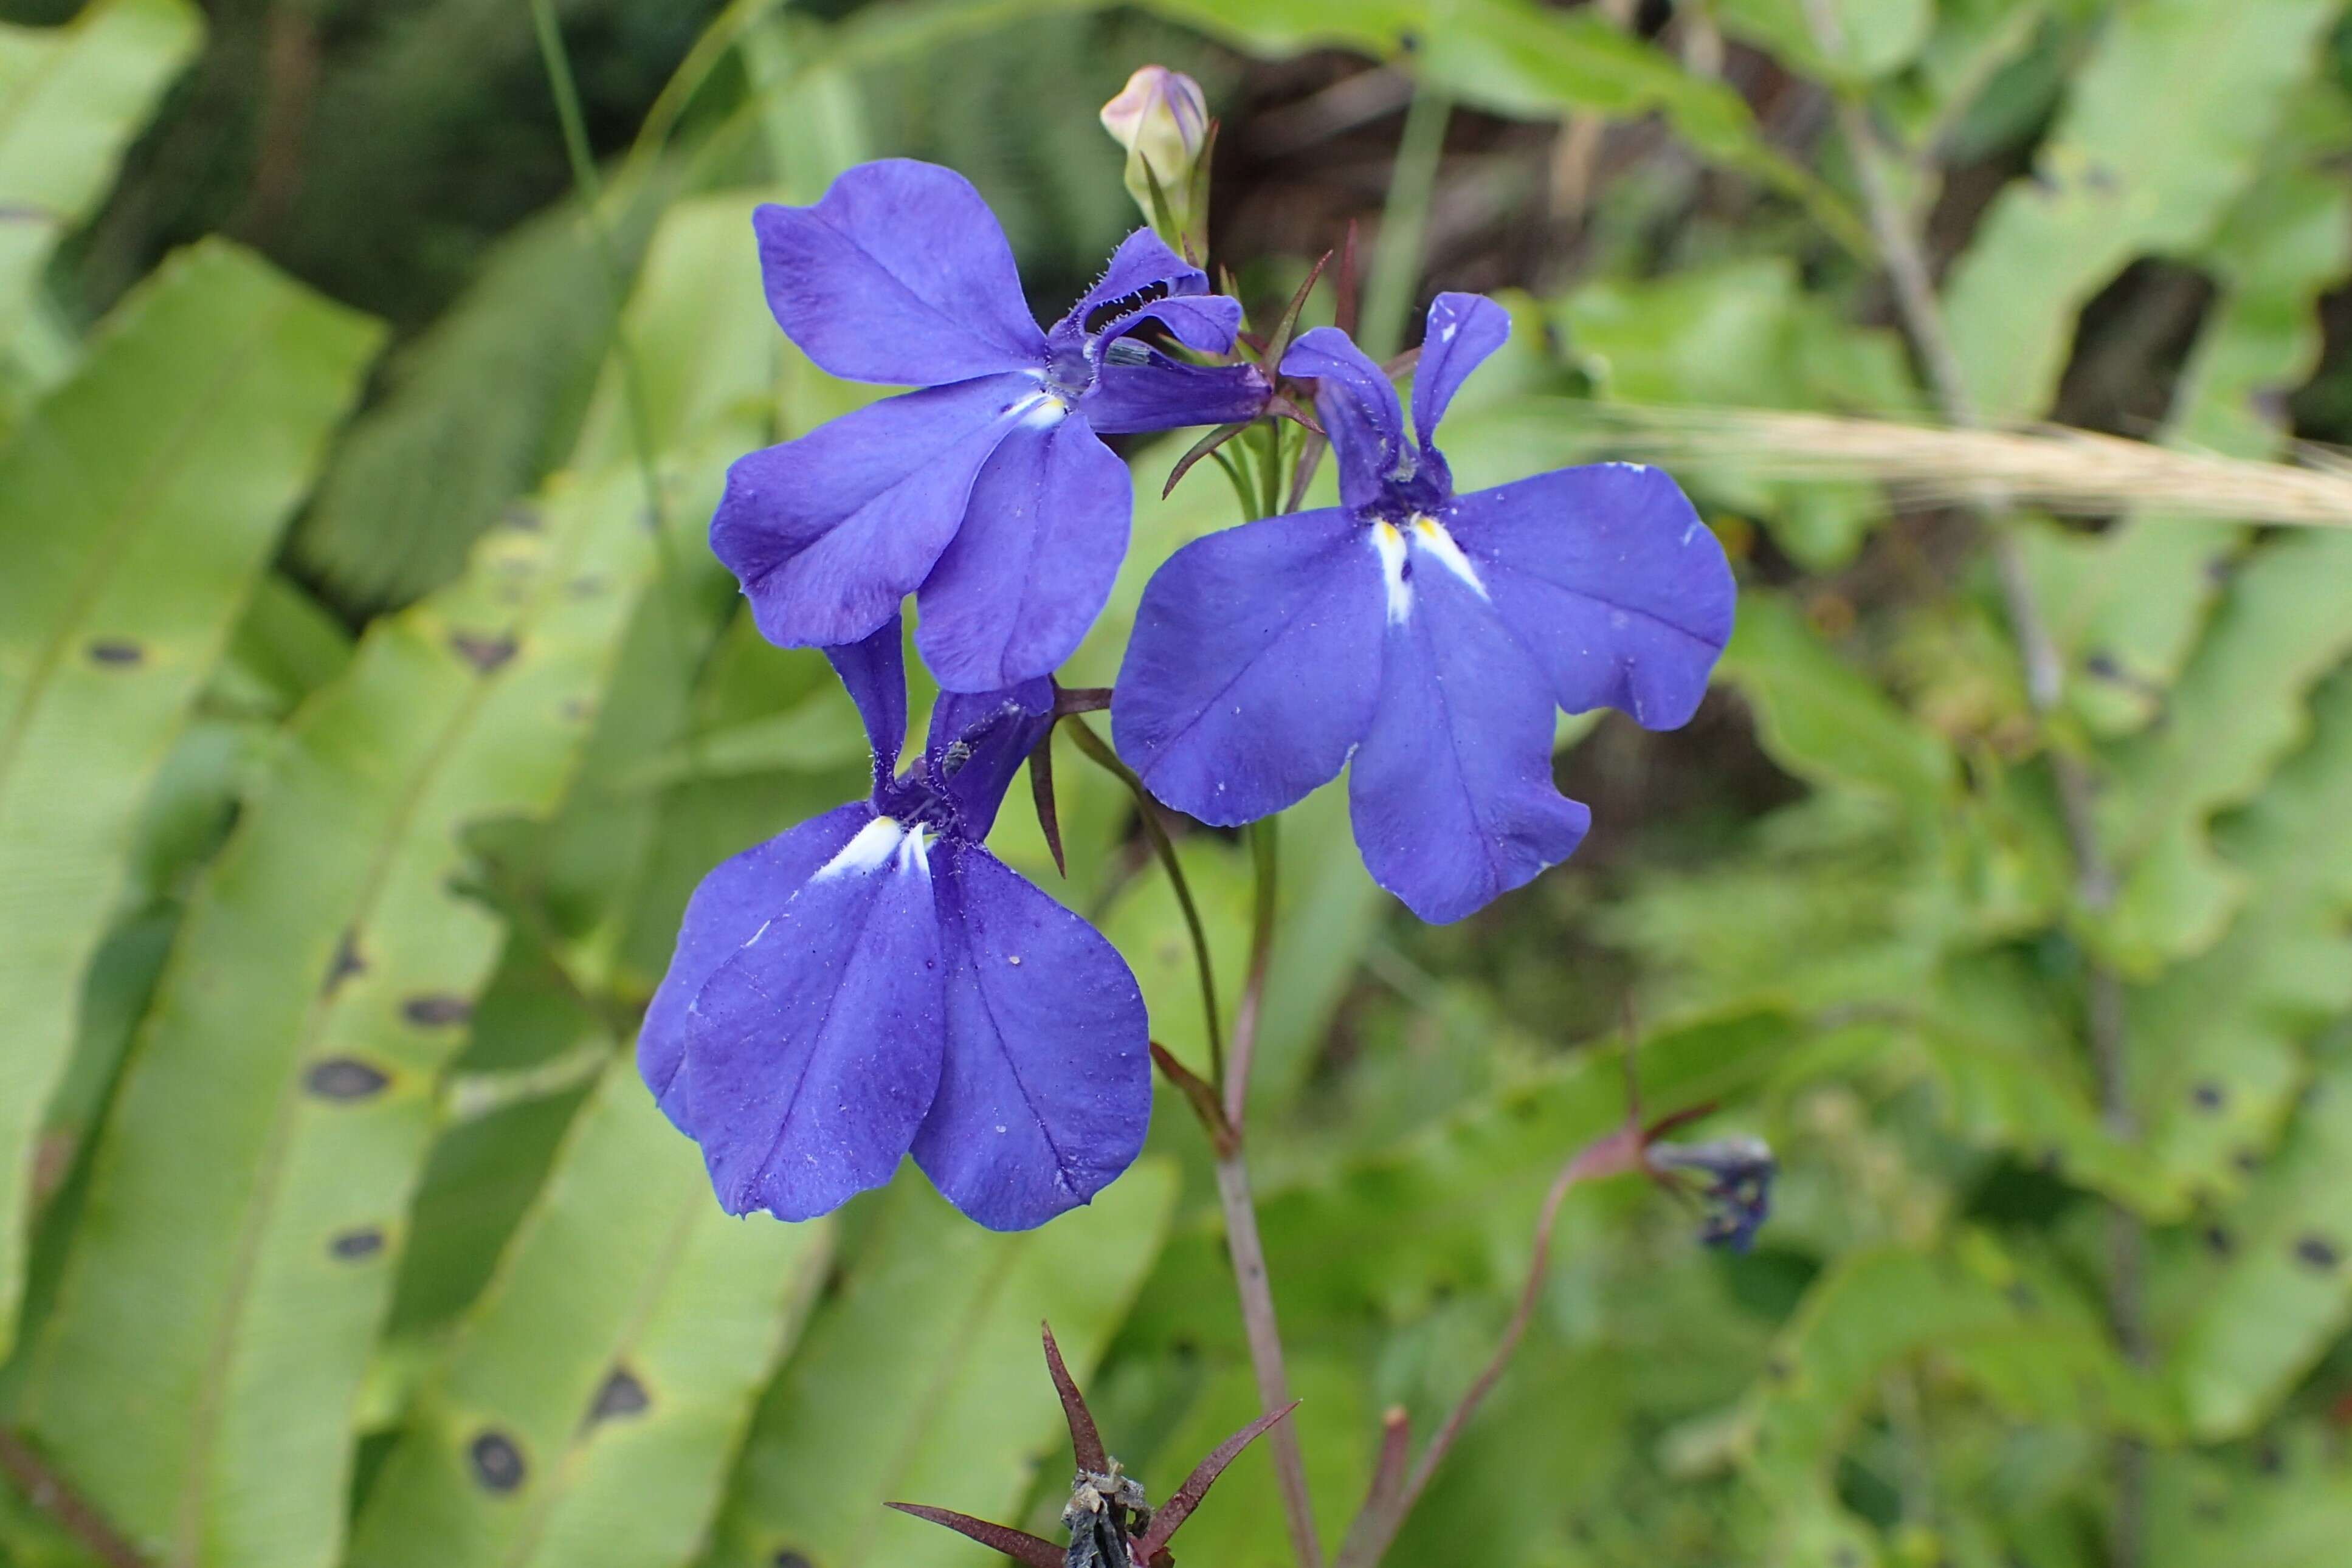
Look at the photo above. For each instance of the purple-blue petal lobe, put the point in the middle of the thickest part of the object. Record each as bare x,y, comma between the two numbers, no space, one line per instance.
979,740
1253,666
899,274
1464,330
828,533
733,902
1045,1092
1160,394
873,670
812,1052
1045,528
1142,272
1611,582
1209,322
1359,411
1452,790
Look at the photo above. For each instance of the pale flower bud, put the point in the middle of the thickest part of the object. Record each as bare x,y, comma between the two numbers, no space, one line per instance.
1162,121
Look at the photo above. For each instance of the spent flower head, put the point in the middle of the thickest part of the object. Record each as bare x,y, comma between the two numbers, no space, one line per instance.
1111,1524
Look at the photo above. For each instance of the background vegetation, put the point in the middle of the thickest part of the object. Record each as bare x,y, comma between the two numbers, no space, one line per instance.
369,705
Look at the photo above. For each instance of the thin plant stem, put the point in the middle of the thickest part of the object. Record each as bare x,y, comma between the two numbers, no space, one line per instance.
48,1491
1099,752
1387,1508
1264,1334
557,62
1923,320
1265,859
1397,250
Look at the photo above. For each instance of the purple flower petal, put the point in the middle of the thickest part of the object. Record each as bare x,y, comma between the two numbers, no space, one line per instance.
873,671
828,533
1610,580
1046,1090
1254,665
1452,790
812,1053
1142,274
1359,409
1463,328
979,740
900,275
1162,394
1040,542
733,900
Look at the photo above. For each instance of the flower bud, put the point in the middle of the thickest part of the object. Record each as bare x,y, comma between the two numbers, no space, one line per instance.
1162,121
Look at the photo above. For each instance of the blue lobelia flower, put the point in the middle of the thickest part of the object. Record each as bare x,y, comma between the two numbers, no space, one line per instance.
875,982
1428,635
987,493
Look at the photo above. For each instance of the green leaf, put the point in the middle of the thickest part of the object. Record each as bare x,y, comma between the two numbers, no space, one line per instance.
2274,1288
2162,128
2219,1043
589,1405
2237,710
1147,925
1518,59
2125,606
278,1110
71,98
2021,1336
1823,720
138,508
479,410
1873,37
922,1381
272,1126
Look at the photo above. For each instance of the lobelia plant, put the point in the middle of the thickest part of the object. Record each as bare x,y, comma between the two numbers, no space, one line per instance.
874,983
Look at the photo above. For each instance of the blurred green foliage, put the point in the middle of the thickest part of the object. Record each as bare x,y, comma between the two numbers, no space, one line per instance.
366,716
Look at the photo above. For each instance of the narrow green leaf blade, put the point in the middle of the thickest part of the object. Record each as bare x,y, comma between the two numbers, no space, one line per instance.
71,98
214,1322
137,510
589,1405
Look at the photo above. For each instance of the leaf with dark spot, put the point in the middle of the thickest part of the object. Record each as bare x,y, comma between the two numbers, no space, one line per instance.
485,653
347,963
354,1245
116,650
343,1078
436,1011
622,1394
498,1463
2319,1251
2208,1095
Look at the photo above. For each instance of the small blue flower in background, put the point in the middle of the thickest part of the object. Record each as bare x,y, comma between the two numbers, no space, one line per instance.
875,982
1426,635
987,493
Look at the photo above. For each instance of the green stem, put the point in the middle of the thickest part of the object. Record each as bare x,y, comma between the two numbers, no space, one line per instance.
1100,754
557,61
1404,225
